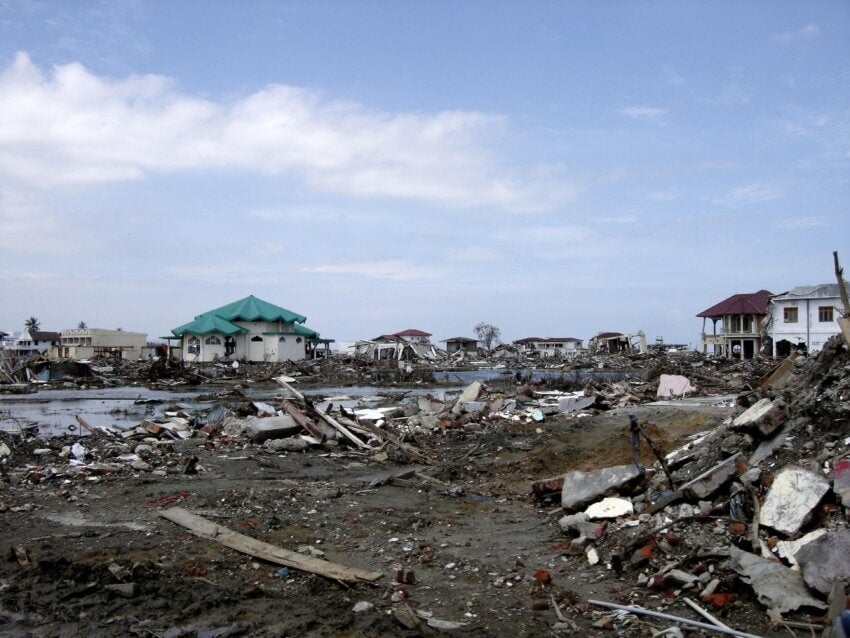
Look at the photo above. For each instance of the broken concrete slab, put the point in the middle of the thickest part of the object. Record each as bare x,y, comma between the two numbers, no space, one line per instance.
470,394
610,507
794,494
705,486
825,560
762,417
273,427
583,488
779,588
770,444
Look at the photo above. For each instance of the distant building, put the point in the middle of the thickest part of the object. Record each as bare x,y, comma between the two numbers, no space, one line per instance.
251,329
566,347
461,344
803,318
740,332
85,343
407,345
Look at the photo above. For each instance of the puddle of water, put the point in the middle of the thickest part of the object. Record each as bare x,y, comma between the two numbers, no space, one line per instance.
55,412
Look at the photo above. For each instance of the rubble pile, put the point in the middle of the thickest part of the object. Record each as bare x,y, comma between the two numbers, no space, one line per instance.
754,508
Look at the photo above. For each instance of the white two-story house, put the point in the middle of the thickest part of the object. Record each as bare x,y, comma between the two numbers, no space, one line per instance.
803,318
563,347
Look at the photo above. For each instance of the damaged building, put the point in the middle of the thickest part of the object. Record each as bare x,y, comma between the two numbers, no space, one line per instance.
741,320
407,345
803,318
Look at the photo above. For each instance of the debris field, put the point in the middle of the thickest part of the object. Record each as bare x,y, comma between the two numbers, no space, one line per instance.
691,499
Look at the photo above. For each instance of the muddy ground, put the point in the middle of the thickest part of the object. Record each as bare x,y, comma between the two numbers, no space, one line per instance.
94,558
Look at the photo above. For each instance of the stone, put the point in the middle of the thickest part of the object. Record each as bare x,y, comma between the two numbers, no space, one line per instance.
788,549
794,494
582,488
570,522
825,559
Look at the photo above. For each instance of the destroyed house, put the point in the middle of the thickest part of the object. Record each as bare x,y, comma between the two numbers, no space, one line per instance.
250,329
741,318
803,318
407,345
461,344
548,346
84,343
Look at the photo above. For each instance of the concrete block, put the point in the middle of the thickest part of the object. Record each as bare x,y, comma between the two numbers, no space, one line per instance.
794,494
762,417
583,488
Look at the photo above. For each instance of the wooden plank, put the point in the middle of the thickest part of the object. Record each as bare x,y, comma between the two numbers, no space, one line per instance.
205,528
339,427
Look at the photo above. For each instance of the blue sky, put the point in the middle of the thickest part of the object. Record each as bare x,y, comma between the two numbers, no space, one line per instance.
553,168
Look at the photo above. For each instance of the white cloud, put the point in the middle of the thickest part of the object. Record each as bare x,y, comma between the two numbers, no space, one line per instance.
645,113
802,223
74,127
787,37
668,195
396,270
672,77
475,254
750,194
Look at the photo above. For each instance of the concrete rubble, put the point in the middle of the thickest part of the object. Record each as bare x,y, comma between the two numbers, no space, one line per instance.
748,517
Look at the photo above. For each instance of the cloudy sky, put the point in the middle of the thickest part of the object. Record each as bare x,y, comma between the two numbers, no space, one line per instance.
553,168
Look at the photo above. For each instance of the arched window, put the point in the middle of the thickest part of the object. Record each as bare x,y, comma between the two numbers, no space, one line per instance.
282,340
194,345
298,340
213,341
256,339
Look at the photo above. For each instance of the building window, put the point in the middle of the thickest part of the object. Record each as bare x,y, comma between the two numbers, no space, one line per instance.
748,323
825,314
789,315
213,341
256,339
298,340
735,323
229,346
282,340
194,345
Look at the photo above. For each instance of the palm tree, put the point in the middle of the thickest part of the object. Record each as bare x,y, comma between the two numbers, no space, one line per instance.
32,324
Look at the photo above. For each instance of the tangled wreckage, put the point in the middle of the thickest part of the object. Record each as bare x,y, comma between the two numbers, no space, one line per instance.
687,495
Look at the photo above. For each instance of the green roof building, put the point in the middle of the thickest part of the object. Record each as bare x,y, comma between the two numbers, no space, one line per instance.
249,329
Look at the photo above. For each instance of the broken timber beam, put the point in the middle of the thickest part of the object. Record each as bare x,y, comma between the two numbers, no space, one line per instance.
301,419
205,528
